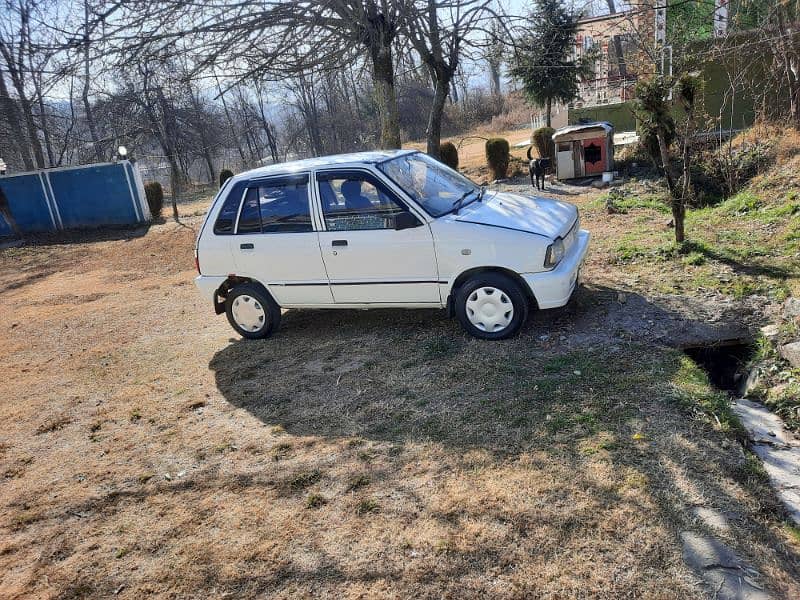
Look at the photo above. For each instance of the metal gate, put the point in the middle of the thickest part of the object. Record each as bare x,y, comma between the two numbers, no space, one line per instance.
74,197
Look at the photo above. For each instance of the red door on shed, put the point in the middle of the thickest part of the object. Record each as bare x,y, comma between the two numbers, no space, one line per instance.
594,155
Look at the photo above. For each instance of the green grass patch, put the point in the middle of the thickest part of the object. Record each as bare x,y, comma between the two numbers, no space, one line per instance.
367,506
742,203
304,479
357,482
696,394
315,501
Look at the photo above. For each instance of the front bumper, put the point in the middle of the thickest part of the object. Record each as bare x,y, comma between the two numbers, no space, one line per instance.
554,288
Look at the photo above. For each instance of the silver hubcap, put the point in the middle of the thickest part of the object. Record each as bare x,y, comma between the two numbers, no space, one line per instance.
490,309
248,313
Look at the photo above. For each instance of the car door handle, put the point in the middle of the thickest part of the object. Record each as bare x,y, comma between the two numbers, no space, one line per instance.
339,243
246,246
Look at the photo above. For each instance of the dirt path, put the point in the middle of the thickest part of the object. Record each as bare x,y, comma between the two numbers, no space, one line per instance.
146,450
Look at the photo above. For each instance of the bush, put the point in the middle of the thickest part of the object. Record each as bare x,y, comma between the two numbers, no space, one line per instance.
224,175
448,154
498,155
155,198
726,171
542,139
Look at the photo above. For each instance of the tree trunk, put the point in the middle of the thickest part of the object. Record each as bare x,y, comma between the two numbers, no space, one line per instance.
677,202
201,130
234,134
548,111
385,95
51,159
494,78
679,216
33,135
11,116
273,146
434,131
165,134
87,106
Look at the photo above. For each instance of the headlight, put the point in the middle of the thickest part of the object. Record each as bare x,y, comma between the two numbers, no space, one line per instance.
555,252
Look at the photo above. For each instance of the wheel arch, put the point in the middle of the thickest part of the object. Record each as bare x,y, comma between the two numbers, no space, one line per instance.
231,282
466,275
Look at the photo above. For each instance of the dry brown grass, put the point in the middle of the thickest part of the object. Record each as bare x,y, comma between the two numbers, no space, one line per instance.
146,451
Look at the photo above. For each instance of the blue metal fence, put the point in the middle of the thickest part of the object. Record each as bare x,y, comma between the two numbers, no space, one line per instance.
73,197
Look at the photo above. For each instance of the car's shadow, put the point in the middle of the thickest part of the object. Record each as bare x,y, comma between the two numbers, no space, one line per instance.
390,374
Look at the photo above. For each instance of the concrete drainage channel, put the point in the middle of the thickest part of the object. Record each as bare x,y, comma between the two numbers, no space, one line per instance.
726,573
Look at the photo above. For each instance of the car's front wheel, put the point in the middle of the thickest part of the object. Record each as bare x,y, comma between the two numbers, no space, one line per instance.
491,306
251,311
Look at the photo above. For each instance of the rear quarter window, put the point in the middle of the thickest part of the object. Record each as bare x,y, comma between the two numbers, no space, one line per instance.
226,219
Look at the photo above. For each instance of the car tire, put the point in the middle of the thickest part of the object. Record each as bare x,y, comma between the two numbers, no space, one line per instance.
491,306
251,311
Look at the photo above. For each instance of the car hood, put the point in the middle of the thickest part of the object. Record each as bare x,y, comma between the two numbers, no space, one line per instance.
523,213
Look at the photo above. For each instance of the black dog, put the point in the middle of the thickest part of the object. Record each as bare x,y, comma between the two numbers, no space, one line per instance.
536,167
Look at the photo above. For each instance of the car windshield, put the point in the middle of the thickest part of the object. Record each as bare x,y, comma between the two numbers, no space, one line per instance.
434,186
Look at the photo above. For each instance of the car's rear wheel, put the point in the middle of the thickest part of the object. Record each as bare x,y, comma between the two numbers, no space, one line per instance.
491,306
251,311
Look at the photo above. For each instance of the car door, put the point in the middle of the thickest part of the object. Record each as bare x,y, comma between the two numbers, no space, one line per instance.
367,259
276,244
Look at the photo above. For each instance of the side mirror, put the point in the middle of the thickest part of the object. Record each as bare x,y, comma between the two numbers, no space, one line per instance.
405,220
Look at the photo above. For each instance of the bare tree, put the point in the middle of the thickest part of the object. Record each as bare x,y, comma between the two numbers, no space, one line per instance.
11,116
440,30
251,38
87,62
493,53
16,50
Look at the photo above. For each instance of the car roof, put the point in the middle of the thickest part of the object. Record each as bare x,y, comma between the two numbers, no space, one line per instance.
312,164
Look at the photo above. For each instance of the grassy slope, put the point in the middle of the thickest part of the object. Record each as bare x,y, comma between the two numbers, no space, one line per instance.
745,246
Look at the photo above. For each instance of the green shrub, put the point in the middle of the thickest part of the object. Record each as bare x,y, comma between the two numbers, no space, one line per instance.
155,198
498,155
448,154
224,175
542,139
726,171
742,203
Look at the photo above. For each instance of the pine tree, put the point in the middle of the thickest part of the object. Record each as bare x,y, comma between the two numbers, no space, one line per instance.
544,61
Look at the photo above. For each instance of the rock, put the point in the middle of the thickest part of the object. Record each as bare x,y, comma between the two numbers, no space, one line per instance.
770,331
791,308
791,353
778,450
724,572
599,184
750,383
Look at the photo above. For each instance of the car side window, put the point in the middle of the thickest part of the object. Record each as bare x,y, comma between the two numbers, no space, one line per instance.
226,219
356,201
279,206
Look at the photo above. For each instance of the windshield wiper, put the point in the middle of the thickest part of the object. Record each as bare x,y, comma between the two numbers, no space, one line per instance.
457,203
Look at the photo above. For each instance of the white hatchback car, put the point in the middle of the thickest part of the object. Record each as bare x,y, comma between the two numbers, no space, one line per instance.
384,229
